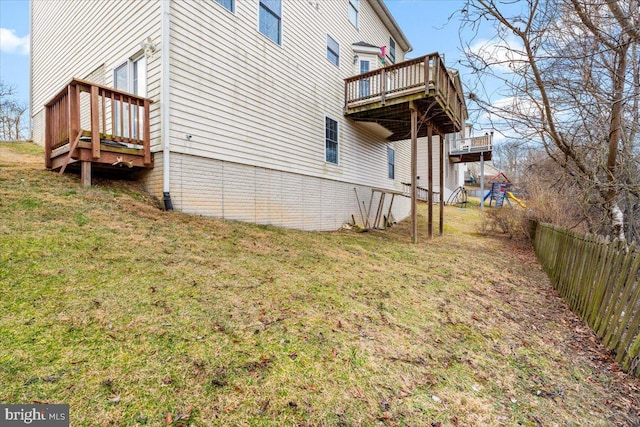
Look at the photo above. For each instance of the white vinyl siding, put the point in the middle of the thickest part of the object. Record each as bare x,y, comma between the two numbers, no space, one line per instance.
450,182
62,52
245,101
250,94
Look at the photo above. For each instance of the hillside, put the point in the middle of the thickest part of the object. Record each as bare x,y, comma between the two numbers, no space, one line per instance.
135,316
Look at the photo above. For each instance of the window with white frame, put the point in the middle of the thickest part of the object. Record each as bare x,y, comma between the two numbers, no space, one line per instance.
270,17
392,50
227,4
354,10
130,77
391,160
333,51
364,83
331,140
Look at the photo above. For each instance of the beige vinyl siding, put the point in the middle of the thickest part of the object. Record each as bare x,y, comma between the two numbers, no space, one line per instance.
255,111
403,162
450,173
451,176
265,196
152,178
37,127
263,104
74,38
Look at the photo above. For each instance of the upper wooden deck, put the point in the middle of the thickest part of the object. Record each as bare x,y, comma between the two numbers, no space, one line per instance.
383,96
471,149
90,123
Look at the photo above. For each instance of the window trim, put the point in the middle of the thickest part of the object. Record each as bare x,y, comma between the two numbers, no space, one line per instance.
130,68
355,6
391,163
134,59
337,122
337,54
233,6
280,20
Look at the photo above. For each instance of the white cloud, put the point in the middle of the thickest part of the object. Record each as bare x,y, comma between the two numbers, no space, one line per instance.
511,118
503,54
11,43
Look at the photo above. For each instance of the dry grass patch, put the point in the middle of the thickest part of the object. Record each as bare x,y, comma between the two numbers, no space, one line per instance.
136,316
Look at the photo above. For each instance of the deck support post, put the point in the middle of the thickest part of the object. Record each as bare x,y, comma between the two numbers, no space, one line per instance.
430,184
414,171
85,174
442,186
48,140
95,122
482,181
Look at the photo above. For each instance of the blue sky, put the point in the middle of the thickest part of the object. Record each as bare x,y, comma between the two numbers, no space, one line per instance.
425,23
14,45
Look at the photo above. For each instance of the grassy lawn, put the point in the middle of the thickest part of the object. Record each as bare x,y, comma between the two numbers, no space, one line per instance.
135,316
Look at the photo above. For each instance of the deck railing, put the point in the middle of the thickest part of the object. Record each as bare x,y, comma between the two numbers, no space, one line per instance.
427,73
105,112
421,192
473,144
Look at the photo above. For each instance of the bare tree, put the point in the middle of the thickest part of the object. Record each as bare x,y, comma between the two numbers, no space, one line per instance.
570,82
12,124
512,157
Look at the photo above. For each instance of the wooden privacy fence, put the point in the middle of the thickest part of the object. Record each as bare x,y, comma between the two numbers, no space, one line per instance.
599,279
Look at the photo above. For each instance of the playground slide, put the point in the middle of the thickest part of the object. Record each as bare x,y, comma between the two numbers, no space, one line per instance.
514,198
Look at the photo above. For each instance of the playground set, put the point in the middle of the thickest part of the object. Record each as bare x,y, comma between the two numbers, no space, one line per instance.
500,192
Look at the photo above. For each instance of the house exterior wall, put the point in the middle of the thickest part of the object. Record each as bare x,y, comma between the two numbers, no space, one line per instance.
247,115
260,107
88,40
259,195
452,176
263,104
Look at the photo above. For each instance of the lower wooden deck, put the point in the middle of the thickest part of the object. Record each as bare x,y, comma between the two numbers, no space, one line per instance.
111,155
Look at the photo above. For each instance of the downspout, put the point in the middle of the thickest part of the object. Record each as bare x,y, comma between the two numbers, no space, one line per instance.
165,7
31,73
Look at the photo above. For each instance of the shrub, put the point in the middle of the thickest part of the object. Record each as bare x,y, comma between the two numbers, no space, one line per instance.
511,223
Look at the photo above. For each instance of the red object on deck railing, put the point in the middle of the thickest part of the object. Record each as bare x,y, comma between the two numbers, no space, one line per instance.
105,112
